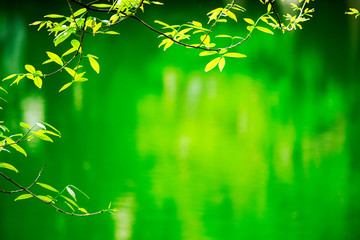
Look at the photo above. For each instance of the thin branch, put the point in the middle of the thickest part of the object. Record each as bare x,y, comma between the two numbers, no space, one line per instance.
32,184
49,203
271,2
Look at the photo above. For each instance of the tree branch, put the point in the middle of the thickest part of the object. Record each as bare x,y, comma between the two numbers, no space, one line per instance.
32,184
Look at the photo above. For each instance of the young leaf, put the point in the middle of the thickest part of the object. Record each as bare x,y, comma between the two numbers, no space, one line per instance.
221,64
70,201
83,210
79,12
46,186
45,198
212,64
10,76
23,196
25,125
207,53
65,86
249,21
94,64
71,192
30,68
265,30
101,5
38,81
53,128
54,57
54,16
42,136
112,33
235,55
8,166
41,125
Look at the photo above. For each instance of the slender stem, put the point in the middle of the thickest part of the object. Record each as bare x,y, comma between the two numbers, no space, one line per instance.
49,203
32,184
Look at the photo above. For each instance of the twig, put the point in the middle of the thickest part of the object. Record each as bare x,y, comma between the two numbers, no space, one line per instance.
32,184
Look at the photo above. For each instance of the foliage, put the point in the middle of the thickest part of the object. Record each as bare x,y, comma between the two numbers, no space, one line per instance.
87,20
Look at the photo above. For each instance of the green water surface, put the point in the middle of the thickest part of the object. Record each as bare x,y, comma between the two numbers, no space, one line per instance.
266,150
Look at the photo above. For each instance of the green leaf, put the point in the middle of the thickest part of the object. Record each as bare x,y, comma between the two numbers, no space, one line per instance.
265,30
79,12
249,21
38,81
54,16
65,86
75,43
25,125
8,166
101,5
41,125
70,201
15,146
94,64
17,80
46,186
69,205
52,133
10,76
45,198
71,192
30,68
235,55
212,64
83,210
23,196
3,89
221,64
63,36
53,128
112,33
54,57
42,136
207,53
231,15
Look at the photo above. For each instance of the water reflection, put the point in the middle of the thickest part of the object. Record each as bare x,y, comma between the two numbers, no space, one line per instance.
226,160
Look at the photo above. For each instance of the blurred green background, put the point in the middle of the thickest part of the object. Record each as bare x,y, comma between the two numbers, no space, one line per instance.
267,149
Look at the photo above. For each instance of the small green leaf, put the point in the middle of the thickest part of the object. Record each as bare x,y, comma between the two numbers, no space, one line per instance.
65,86
83,210
70,201
53,128
235,55
23,196
101,5
46,186
25,125
42,136
71,192
207,53
112,33
30,68
8,166
54,16
79,12
212,64
54,57
10,76
221,64
249,21
94,64
41,125
38,81
45,198
265,30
